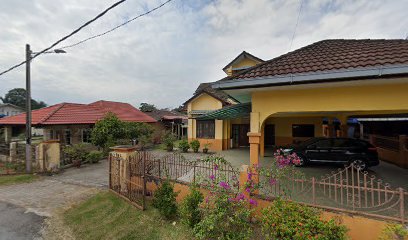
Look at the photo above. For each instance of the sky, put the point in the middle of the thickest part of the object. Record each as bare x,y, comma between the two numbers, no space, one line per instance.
163,57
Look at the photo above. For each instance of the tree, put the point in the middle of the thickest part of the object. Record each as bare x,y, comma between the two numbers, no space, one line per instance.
106,131
17,96
179,109
110,129
145,107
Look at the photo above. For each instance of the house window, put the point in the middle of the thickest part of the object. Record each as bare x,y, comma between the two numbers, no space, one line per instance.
51,134
67,136
86,135
303,130
206,129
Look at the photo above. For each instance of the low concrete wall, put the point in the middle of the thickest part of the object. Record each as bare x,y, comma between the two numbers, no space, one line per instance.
358,227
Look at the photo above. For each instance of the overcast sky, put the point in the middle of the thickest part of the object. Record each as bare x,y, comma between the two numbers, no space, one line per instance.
161,58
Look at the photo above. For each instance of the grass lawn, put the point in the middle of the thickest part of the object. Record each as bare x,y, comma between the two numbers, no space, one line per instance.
14,179
107,216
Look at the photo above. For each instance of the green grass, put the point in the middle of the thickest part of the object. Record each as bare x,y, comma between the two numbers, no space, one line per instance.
14,179
107,216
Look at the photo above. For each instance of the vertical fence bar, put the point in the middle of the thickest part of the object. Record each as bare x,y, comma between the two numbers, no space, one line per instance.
365,190
110,171
313,191
372,191
352,185
144,181
358,190
402,209
341,188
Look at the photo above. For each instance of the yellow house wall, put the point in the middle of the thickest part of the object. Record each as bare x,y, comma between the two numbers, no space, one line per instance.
206,102
283,128
370,98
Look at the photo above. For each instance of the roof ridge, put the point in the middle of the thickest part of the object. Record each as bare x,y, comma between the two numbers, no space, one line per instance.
52,113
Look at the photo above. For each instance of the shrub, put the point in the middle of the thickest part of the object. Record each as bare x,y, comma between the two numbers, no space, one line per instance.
77,152
183,145
94,156
195,145
225,214
168,140
190,212
394,232
165,200
289,220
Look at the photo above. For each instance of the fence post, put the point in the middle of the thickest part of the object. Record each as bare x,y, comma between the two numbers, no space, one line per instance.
313,190
194,172
402,213
144,181
110,170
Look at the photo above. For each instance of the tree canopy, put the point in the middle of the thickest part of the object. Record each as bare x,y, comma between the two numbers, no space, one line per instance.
108,131
145,107
17,96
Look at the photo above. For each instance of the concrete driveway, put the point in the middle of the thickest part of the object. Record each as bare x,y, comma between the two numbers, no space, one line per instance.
25,207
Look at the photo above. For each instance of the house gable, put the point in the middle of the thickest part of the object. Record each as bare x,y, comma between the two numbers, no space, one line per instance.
205,102
241,62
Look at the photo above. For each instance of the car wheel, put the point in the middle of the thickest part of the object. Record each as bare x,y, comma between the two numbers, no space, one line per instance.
302,162
359,164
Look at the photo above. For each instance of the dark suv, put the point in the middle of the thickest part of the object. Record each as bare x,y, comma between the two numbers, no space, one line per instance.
336,150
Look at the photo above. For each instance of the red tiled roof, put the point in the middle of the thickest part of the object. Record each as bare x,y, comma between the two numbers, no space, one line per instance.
74,113
330,55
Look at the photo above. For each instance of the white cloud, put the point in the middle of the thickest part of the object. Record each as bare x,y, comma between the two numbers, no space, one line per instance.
162,58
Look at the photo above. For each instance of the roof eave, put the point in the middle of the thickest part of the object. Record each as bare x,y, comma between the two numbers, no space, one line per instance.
312,77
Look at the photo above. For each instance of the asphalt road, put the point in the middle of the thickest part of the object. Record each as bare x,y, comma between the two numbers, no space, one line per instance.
16,223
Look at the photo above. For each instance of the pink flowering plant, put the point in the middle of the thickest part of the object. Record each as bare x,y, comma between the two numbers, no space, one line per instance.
275,179
226,211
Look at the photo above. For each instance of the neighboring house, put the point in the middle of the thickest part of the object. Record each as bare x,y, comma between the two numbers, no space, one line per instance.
206,99
8,109
71,123
329,88
170,120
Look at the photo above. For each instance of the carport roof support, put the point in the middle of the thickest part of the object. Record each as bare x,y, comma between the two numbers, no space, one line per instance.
230,112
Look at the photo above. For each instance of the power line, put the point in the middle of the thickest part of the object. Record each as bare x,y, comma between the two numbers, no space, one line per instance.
67,36
297,22
118,26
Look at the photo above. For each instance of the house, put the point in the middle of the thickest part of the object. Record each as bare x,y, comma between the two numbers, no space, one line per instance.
71,123
8,109
329,88
206,99
173,121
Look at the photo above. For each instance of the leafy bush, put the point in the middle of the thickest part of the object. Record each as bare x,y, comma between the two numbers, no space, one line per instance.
77,152
394,232
195,145
111,130
94,156
168,141
190,211
225,214
184,145
289,220
165,200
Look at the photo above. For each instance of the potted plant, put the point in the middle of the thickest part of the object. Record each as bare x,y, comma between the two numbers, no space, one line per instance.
205,148
195,145
183,145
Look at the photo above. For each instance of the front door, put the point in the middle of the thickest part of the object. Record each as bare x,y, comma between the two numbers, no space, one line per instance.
239,135
243,135
269,135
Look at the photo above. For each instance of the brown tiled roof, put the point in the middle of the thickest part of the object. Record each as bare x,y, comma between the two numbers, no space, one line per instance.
206,87
75,113
160,114
327,55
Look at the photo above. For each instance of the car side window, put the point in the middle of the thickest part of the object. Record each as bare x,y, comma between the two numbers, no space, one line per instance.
342,143
324,143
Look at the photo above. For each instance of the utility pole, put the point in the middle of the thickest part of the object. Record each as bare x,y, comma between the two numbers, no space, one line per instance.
28,109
